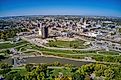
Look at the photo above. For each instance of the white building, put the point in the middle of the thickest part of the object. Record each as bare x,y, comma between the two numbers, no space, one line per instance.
40,33
93,34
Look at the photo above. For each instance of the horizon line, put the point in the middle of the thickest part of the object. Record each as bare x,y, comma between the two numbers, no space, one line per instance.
58,15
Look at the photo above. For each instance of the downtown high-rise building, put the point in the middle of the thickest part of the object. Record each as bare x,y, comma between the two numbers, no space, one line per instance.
44,31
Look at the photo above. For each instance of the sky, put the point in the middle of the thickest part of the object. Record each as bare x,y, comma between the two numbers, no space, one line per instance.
60,7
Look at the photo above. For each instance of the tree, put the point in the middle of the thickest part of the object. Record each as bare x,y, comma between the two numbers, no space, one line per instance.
13,76
70,44
29,67
41,76
2,57
8,52
75,45
13,33
65,78
5,66
77,76
9,77
86,69
56,64
109,74
87,77
117,72
30,76
2,36
99,69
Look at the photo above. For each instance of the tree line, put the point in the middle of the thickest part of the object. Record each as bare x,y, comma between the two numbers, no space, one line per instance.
42,72
10,33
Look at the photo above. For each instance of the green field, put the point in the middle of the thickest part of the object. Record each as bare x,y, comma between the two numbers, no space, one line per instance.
109,52
6,45
68,44
10,45
31,49
66,52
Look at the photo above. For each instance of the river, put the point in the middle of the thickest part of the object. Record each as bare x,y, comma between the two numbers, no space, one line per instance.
43,59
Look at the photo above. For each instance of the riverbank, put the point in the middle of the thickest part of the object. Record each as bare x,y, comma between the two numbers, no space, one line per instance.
81,60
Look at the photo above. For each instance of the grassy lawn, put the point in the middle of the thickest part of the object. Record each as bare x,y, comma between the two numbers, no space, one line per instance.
61,51
67,44
67,53
9,45
109,52
24,47
6,45
108,56
20,70
64,52
4,51
30,52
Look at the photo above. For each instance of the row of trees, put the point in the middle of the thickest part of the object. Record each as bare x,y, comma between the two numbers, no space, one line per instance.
10,33
108,58
85,72
5,68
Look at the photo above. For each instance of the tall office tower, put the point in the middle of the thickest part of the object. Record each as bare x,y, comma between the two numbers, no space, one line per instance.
82,20
85,21
44,31
39,29
40,32
39,25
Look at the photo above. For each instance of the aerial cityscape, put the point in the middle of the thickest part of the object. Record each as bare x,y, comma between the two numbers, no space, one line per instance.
60,40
